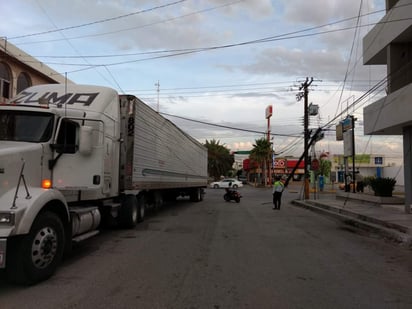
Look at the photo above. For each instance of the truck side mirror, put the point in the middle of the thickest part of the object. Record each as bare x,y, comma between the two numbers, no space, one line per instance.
85,140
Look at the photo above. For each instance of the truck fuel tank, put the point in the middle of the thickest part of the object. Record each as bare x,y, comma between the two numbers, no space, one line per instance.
84,219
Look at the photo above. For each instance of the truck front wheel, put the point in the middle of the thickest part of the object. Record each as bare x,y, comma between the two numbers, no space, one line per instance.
35,256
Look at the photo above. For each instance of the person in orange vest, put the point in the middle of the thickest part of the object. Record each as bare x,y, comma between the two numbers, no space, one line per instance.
278,187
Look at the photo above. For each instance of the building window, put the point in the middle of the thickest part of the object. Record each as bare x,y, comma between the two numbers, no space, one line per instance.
23,81
4,81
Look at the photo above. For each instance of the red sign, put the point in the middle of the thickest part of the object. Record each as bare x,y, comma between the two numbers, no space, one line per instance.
268,111
315,164
280,163
291,163
246,164
249,164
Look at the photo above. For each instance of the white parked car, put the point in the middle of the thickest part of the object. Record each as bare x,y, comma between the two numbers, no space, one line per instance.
224,183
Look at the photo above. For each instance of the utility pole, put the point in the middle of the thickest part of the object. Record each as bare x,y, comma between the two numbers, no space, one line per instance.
353,151
348,128
268,114
304,94
158,90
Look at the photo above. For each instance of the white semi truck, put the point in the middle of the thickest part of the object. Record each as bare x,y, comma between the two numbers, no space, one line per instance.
74,157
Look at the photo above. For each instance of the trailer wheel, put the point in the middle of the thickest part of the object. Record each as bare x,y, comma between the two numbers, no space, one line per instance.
128,212
158,200
141,203
35,256
196,195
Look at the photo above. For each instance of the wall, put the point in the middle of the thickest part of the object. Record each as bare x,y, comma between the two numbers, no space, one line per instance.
395,172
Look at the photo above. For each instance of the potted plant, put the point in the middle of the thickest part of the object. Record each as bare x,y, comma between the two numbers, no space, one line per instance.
382,186
367,181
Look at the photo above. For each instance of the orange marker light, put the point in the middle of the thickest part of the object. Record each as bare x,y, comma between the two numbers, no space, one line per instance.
46,184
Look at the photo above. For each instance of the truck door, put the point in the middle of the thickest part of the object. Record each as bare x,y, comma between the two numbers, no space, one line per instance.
72,168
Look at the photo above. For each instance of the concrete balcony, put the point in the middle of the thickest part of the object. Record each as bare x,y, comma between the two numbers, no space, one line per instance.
394,27
390,114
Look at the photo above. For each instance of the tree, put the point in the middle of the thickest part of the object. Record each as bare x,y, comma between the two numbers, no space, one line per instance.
261,153
220,161
324,167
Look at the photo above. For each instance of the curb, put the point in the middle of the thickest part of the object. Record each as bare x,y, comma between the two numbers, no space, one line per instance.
353,214
393,232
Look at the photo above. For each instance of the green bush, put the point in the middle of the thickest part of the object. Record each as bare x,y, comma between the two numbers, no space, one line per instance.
382,186
367,180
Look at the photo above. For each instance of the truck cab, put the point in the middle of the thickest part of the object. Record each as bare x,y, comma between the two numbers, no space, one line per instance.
58,148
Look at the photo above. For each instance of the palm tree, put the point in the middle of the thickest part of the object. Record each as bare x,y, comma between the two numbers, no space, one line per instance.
220,161
261,153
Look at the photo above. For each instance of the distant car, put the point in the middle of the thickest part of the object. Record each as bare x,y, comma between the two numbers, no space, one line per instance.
224,183
243,179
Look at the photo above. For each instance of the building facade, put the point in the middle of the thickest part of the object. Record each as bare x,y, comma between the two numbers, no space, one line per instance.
390,43
18,70
368,165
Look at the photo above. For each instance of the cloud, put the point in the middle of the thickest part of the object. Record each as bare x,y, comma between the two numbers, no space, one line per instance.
256,95
318,12
193,24
325,64
256,9
283,61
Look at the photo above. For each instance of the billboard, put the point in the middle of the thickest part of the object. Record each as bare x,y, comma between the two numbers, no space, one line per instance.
339,132
347,143
269,111
347,124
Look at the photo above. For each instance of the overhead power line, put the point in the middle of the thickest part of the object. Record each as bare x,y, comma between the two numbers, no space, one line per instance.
136,27
228,127
97,21
175,53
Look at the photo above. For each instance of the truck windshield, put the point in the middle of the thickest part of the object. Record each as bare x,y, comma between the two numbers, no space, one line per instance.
25,126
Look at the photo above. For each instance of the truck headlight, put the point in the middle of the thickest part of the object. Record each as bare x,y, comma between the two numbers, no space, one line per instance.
7,218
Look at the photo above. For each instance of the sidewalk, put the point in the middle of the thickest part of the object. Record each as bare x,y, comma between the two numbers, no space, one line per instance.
386,218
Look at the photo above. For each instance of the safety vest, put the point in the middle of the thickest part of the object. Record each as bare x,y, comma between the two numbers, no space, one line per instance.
278,186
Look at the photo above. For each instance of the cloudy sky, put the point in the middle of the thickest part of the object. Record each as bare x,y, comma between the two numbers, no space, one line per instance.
213,66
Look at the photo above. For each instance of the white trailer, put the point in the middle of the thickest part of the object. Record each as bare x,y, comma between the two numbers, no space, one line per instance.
74,157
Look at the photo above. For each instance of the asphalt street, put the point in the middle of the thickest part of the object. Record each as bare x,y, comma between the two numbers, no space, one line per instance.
216,254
